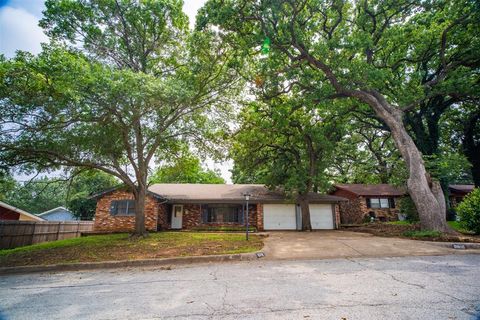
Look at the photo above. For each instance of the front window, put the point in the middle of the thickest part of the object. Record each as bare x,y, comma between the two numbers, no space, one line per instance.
221,213
122,208
380,203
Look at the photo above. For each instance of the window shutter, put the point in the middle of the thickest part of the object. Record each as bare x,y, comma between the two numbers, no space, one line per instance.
368,203
392,202
205,214
113,207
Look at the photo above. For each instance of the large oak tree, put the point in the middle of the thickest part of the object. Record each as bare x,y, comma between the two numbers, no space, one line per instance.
364,52
118,83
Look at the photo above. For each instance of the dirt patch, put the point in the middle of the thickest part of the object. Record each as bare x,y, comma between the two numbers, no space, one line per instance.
393,230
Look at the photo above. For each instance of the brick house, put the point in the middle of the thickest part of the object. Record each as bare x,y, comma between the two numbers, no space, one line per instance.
190,206
458,192
366,201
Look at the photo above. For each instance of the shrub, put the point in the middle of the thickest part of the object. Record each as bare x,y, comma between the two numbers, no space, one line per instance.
469,211
408,209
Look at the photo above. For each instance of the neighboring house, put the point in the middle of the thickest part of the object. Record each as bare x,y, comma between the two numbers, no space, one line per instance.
58,214
458,192
8,212
189,206
367,201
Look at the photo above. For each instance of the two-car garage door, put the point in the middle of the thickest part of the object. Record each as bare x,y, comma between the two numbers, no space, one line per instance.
284,216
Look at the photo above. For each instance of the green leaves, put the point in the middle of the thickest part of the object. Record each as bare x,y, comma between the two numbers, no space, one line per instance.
469,211
285,143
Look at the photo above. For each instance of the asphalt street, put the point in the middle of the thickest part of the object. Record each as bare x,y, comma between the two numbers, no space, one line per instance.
433,287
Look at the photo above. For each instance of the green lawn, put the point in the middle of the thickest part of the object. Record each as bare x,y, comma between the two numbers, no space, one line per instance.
455,225
422,234
122,247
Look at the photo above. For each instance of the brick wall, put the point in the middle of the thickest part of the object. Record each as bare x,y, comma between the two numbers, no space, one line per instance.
104,221
157,215
259,217
354,211
192,217
336,209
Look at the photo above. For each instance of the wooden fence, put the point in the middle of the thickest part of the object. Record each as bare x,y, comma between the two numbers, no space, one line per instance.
23,233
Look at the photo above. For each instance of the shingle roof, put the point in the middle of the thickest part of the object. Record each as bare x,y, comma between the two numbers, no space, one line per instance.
228,193
461,188
20,211
372,189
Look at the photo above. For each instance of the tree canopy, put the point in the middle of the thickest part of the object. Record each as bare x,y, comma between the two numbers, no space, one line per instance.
185,168
287,144
364,53
120,81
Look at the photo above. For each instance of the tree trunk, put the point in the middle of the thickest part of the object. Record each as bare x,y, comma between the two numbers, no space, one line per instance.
305,208
430,206
140,196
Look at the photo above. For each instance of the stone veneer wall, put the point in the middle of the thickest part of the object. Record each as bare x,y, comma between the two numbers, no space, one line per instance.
104,221
354,211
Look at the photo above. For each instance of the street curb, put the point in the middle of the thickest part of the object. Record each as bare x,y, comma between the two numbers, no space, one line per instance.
460,245
131,263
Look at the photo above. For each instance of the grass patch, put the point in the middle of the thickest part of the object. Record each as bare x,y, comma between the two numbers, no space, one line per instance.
422,234
457,226
121,247
400,223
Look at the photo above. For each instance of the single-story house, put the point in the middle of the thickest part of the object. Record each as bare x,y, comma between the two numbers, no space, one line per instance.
368,201
58,214
189,206
8,212
458,192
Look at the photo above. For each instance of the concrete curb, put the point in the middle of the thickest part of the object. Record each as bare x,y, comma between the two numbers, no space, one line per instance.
459,245
131,263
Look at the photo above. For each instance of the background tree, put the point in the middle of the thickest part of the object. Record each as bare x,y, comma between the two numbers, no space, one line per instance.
140,81
461,135
367,154
80,189
185,168
364,51
287,144
37,195
41,194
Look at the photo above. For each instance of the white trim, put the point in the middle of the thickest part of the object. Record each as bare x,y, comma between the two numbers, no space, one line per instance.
51,210
12,208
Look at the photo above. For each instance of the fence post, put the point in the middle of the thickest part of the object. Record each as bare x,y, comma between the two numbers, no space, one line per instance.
58,230
33,233
78,228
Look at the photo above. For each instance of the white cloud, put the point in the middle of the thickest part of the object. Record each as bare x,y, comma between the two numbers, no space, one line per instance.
19,30
190,7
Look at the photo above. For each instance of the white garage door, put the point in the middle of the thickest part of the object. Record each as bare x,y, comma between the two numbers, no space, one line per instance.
321,216
279,217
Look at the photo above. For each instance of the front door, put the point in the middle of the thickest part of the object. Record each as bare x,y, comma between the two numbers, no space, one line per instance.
177,213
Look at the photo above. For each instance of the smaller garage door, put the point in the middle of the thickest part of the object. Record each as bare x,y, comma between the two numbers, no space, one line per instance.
321,216
279,217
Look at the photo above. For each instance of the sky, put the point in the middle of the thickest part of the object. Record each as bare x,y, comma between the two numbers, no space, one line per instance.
19,30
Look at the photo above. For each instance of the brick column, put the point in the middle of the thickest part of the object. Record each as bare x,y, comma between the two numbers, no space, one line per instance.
259,217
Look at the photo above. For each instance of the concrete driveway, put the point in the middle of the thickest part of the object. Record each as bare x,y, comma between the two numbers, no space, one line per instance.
343,244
